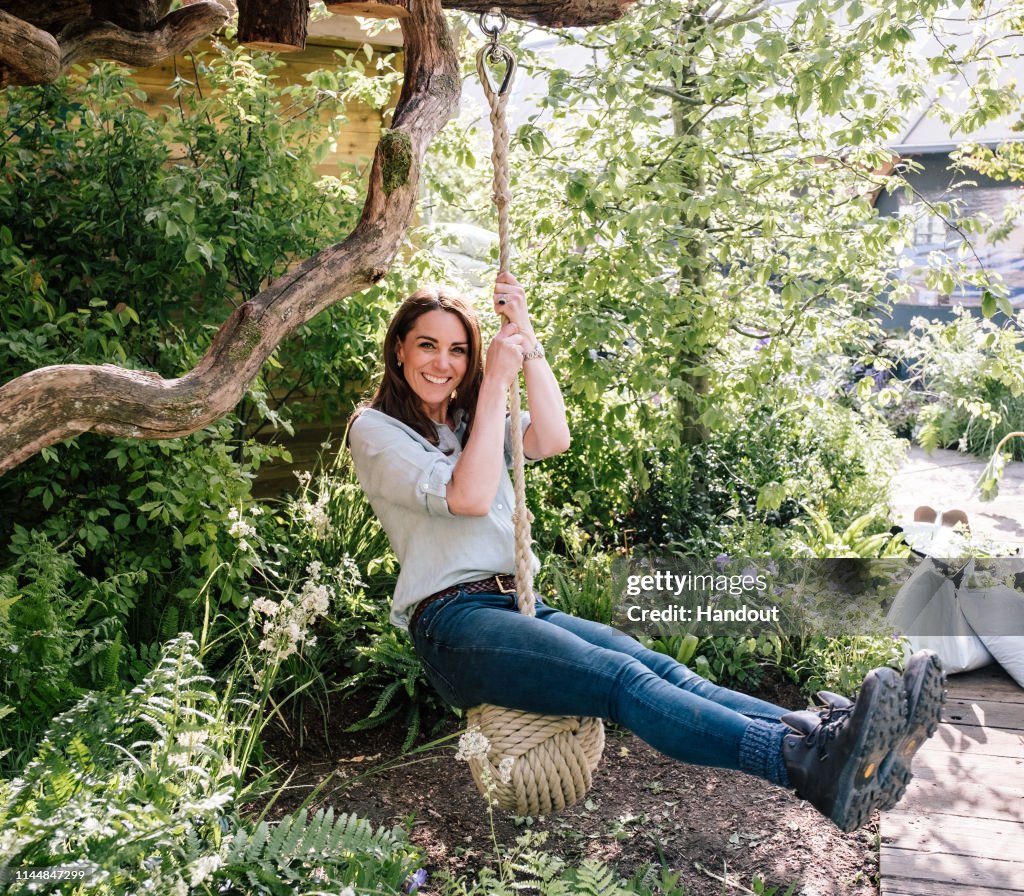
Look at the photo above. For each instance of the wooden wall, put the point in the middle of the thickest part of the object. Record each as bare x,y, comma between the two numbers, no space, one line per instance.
356,144
360,133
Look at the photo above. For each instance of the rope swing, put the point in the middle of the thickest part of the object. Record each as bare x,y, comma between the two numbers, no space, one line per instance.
553,757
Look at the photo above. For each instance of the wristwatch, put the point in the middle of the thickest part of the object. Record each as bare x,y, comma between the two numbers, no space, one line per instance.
536,352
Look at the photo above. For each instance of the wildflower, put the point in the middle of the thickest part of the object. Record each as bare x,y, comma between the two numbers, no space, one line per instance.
192,739
722,561
267,607
473,745
286,624
762,343
203,868
348,891
415,880
316,515
241,530
505,769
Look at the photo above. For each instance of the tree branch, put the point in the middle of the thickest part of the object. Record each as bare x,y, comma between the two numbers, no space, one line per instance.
543,12
54,403
86,39
28,55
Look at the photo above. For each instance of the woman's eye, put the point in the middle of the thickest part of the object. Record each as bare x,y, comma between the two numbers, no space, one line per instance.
459,350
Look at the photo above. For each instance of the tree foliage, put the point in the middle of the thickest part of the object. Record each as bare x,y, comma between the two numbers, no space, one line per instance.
127,238
695,205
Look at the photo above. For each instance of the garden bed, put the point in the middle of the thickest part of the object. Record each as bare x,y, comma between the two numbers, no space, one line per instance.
644,809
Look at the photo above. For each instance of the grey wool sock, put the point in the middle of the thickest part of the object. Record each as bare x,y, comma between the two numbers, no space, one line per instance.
761,751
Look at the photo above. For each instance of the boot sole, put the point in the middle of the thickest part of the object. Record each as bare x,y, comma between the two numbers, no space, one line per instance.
859,788
925,691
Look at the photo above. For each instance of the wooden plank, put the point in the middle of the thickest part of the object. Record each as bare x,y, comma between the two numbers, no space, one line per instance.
894,887
985,713
963,797
976,766
990,683
976,739
959,831
979,837
895,862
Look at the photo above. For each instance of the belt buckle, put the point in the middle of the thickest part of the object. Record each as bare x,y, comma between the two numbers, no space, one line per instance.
502,589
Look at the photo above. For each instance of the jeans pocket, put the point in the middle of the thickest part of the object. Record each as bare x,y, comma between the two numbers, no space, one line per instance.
441,684
427,622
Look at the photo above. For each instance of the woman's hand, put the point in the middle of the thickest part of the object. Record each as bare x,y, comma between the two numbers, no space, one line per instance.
505,355
510,300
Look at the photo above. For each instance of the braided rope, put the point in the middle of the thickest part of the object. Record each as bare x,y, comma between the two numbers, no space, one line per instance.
554,757
502,197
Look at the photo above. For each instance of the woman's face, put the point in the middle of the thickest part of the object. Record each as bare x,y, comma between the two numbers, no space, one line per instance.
434,357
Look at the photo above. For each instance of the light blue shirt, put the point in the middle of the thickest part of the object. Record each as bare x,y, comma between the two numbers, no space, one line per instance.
406,481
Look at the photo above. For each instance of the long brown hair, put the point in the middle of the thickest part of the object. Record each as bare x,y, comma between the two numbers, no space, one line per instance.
394,396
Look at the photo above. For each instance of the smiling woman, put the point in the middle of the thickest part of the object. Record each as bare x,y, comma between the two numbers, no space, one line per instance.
432,450
433,360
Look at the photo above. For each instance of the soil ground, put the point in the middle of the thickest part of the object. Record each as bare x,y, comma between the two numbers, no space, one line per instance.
717,829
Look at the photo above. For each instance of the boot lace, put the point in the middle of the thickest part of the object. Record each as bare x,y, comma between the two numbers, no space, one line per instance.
832,719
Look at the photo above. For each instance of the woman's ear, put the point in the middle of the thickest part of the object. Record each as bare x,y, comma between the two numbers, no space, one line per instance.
400,353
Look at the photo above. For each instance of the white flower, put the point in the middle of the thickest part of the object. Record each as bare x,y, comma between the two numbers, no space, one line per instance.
473,745
192,738
203,868
348,891
267,607
241,529
505,769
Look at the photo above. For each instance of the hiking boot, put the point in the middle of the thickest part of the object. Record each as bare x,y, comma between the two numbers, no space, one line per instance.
924,688
833,758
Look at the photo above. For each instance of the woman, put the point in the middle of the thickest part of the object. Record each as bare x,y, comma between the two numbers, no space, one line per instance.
431,450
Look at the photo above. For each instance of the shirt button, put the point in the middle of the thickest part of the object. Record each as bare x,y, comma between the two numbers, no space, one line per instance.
423,486
499,507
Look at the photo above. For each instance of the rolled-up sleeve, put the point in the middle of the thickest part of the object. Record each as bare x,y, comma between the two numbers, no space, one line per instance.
524,416
392,465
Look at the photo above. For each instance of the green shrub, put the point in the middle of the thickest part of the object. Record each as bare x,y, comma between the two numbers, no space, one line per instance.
189,211
839,664
587,582
971,376
141,792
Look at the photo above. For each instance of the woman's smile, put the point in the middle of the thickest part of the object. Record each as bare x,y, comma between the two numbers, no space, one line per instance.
434,358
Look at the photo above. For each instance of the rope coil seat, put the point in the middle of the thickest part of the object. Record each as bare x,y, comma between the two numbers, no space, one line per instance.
553,757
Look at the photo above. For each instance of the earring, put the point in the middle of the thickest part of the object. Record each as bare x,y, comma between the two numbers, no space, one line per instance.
399,362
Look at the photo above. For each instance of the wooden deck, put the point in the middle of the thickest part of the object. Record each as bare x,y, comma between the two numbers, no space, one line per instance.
959,831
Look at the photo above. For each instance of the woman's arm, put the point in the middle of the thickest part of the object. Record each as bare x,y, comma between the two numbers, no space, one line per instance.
478,470
548,433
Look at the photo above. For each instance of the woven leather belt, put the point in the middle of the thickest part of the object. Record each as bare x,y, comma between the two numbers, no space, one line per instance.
499,584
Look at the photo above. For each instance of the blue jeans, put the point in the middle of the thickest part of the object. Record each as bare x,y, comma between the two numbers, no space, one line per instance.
477,648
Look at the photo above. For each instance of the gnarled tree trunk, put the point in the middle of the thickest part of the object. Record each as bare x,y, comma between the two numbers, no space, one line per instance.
38,41
47,405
